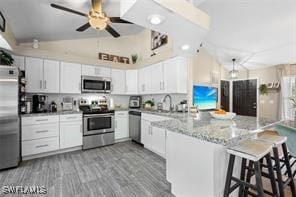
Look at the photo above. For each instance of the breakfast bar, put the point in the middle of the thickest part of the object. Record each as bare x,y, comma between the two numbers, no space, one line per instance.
196,158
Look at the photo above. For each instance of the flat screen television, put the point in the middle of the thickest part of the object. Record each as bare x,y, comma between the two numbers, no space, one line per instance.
205,97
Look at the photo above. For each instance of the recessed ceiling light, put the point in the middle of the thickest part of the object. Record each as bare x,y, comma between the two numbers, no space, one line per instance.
185,47
155,19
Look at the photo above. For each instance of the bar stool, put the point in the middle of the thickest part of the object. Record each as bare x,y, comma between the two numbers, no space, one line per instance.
280,141
252,151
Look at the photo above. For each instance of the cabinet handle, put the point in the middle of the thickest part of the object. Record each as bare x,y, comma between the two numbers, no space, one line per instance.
45,84
160,85
43,131
73,117
40,84
41,146
39,120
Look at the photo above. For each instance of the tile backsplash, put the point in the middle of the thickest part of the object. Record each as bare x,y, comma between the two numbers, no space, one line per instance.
58,98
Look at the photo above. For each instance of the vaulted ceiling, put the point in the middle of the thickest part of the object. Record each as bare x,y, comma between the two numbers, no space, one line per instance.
259,33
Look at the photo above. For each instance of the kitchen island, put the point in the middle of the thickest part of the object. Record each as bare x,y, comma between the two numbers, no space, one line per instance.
196,157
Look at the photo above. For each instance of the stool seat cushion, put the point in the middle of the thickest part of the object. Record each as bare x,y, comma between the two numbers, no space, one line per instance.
252,150
274,139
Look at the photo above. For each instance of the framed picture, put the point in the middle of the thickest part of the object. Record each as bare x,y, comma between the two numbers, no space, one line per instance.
2,22
158,39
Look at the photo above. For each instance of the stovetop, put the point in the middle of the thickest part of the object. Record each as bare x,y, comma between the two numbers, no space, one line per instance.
89,110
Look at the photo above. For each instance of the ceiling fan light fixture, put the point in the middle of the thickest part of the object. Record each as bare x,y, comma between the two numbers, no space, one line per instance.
155,19
98,23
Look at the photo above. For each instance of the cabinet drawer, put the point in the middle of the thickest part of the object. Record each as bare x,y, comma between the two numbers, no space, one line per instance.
152,118
71,117
121,114
32,132
40,120
40,146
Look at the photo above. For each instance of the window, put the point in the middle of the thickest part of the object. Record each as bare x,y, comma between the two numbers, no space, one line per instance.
289,92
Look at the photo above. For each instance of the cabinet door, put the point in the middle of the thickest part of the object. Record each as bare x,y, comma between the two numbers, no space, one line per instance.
146,134
157,79
158,140
121,128
51,82
144,82
34,75
70,78
131,82
182,75
70,134
118,81
96,71
170,76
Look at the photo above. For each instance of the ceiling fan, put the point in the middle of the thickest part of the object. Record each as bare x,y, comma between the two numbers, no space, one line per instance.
97,18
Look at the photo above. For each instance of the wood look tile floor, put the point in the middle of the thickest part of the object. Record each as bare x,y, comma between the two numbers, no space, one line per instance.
123,170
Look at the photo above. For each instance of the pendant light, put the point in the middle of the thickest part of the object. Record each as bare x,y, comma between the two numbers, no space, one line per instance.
233,74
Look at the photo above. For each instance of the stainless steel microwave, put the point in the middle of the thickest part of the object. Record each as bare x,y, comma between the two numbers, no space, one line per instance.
95,84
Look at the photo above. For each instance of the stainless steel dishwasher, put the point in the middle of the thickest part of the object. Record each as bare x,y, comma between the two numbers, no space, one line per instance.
135,126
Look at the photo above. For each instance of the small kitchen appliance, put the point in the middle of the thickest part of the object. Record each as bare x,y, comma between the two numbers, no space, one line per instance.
135,102
67,104
39,103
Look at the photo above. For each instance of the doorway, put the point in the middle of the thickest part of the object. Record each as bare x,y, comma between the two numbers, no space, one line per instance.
244,97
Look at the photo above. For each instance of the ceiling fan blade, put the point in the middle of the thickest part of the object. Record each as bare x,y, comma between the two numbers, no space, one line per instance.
118,20
83,27
112,31
96,5
68,10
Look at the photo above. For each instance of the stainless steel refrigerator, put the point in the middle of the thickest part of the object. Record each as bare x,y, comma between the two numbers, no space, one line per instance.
9,118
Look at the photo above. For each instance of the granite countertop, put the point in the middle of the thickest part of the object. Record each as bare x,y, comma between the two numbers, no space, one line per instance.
223,132
51,113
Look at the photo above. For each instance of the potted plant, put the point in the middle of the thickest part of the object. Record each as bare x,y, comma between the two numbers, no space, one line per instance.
134,58
5,58
149,104
263,89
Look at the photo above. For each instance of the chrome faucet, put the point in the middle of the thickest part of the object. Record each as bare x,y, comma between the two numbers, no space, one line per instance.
164,100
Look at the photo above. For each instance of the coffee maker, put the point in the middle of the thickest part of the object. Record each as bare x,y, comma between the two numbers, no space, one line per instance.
39,103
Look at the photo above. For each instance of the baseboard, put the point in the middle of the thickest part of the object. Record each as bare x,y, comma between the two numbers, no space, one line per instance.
51,153
122,140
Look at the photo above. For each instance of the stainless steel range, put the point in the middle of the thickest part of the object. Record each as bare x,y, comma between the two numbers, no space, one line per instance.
98,127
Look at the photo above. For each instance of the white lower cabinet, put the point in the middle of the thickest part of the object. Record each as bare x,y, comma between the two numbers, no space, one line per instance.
70,134
121,125
153,138
42,134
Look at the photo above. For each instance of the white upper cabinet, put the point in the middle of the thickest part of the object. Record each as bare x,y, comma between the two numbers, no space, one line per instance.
34,75
96,71
144,82
51,72
19,61
175,73
156,78
118,81
42,75
70,78
131,77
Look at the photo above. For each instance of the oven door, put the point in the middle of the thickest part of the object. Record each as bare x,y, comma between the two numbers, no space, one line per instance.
93,84
98,124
